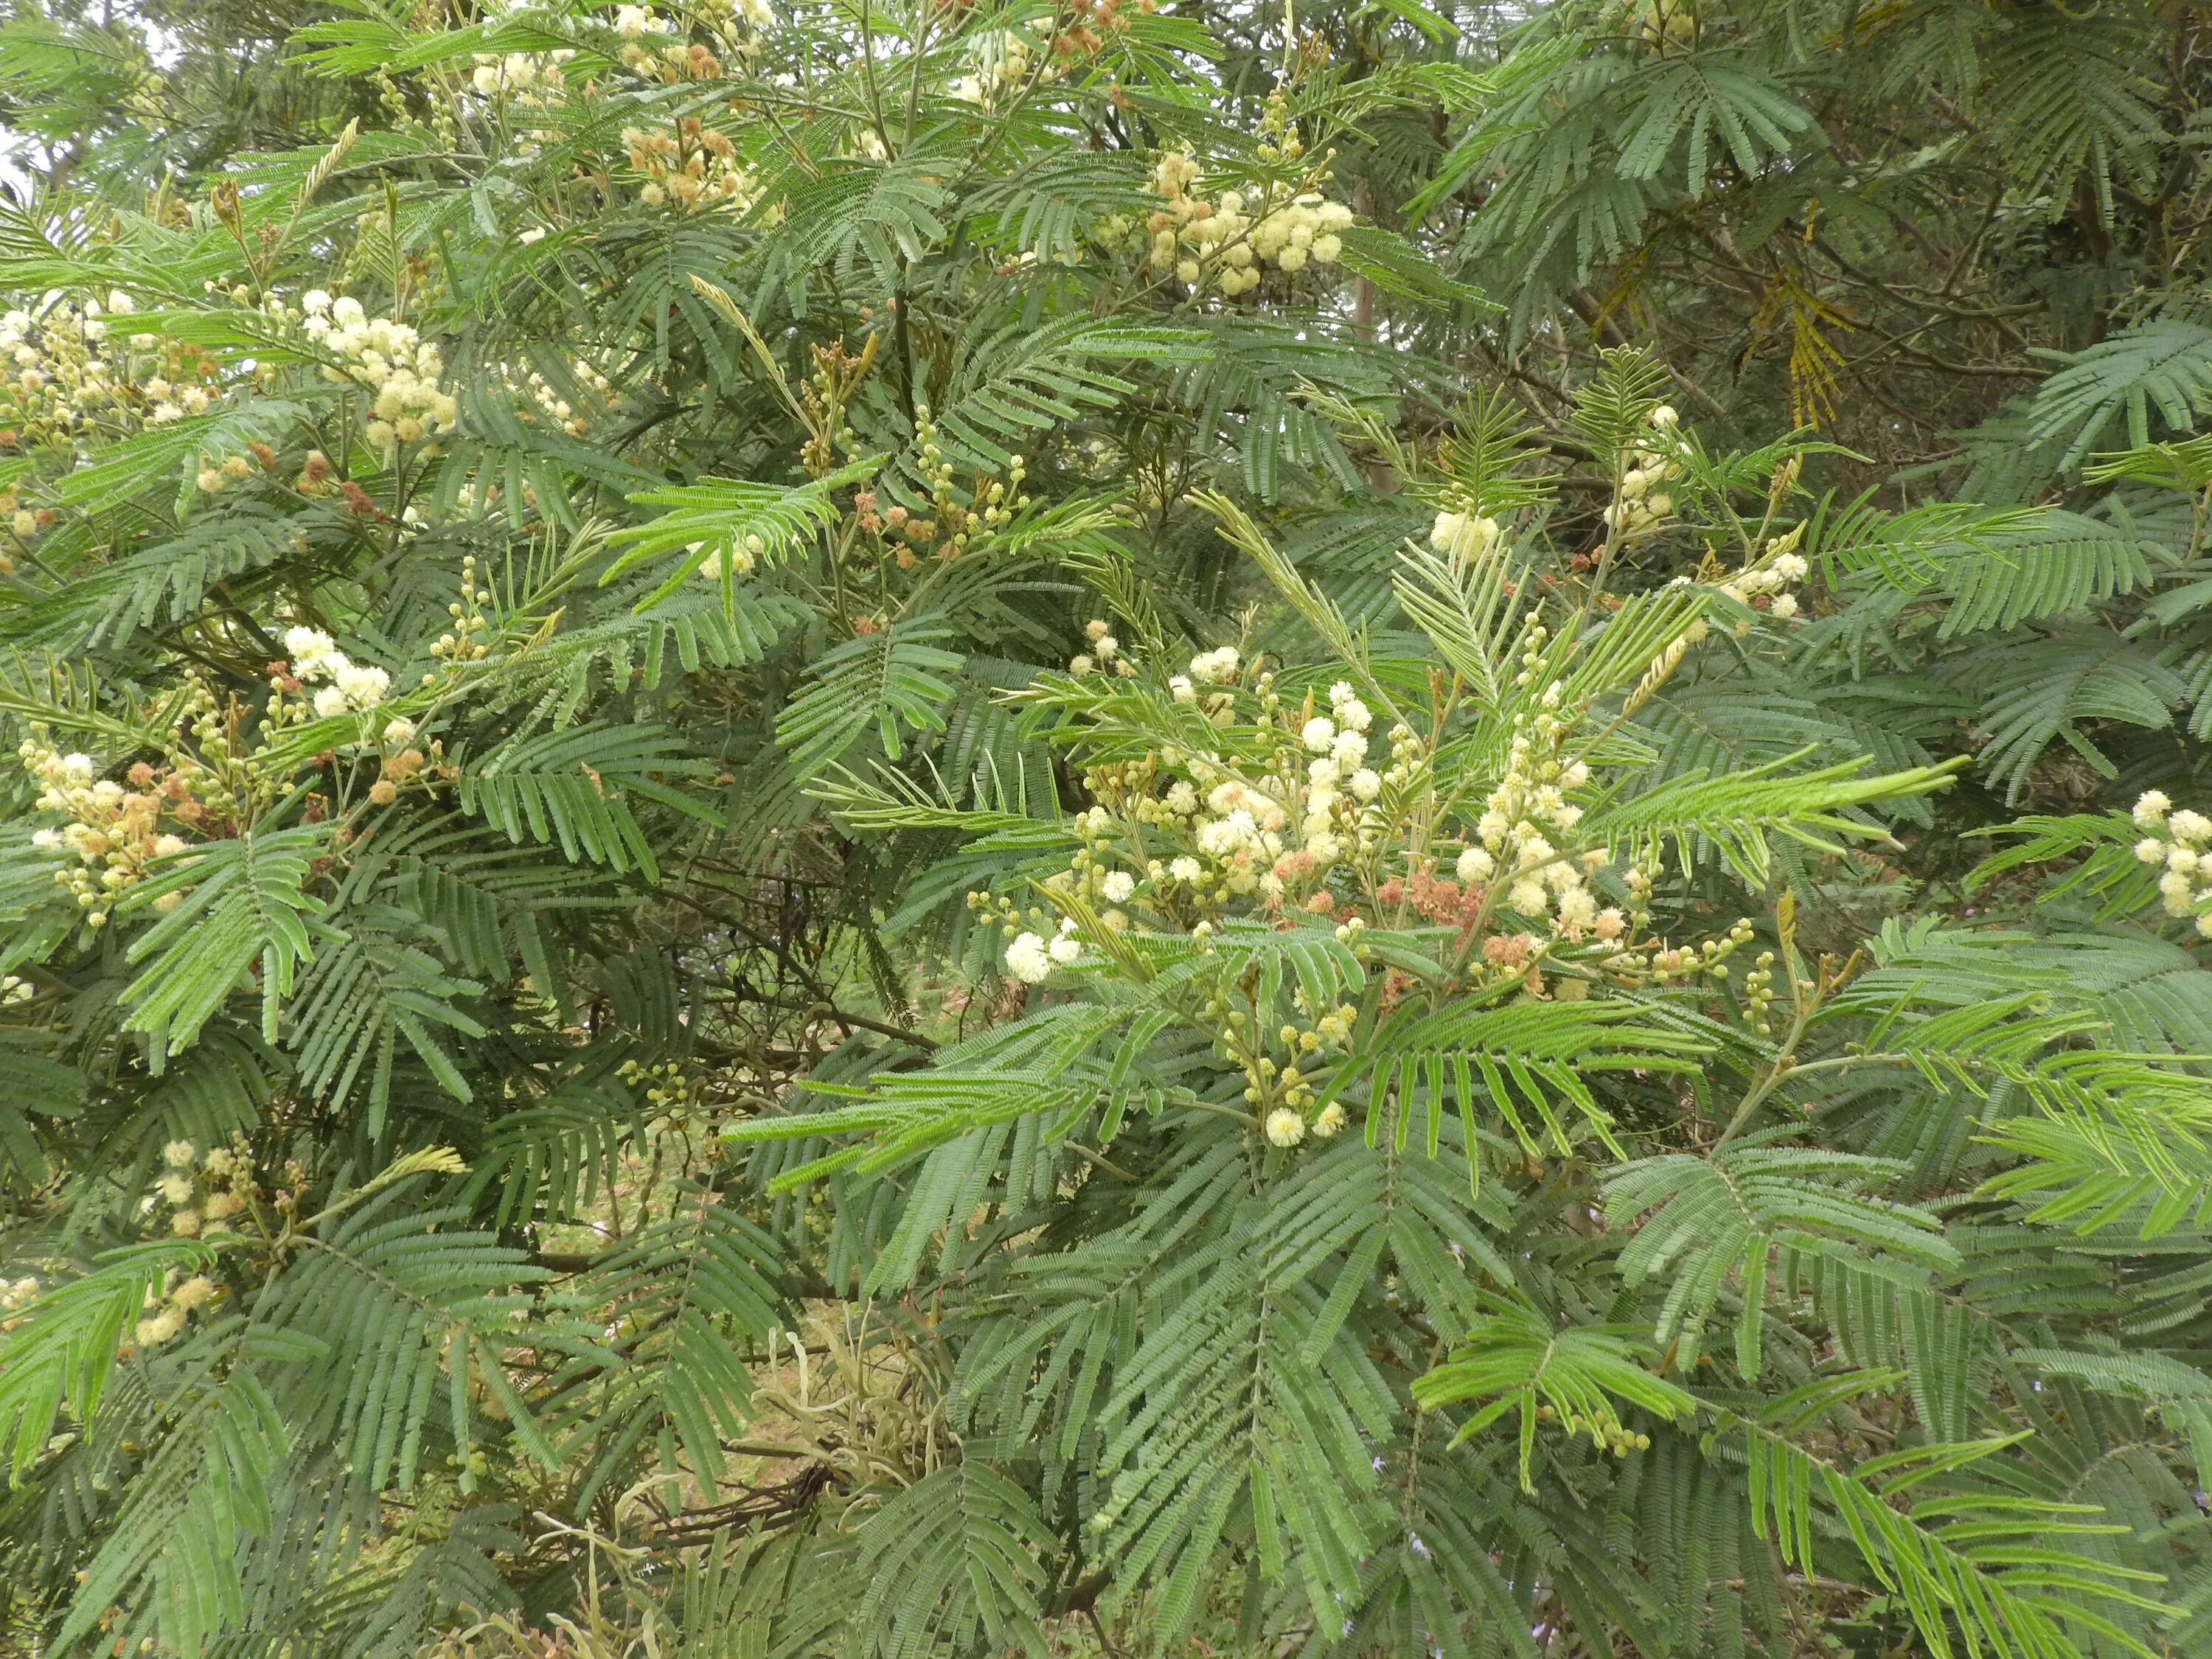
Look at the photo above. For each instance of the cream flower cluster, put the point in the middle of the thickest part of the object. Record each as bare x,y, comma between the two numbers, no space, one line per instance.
656,47
695,167
1763,580
732,15
1643,501
1236,827
201,1197
1338,741
1250,833
1770,579
174,400
529,86
1286,1126
1219,666
1463,532
1277,836
1227,242
215,477
1543,884
397,367
112,831
2180,842
165,1315
1031,958
742,556
1104,654
1306,815
510,74
203,1194
348,687
1004,62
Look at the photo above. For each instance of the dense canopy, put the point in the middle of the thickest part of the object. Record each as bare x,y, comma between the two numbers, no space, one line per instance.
852,830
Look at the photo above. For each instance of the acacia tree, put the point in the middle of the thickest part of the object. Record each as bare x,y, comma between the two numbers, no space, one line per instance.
960,828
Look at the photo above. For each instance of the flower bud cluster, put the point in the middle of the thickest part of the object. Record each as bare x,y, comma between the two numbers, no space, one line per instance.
66,375
547,404
2180,841
222,770
113,830
1607,1433
469,640
1281,1089
22,523
695,167
1758,994
1661,962
391,362
823,398
667,1087
1287,1125
958,520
